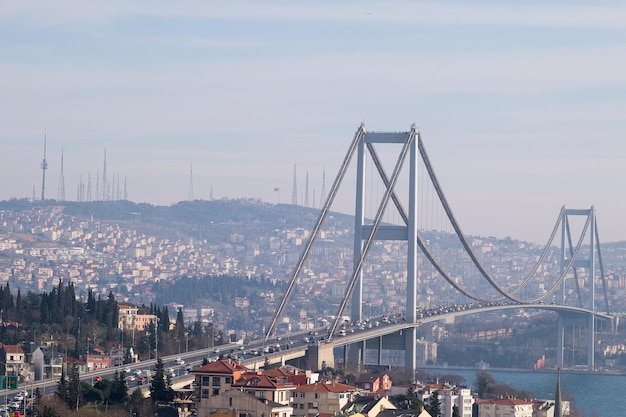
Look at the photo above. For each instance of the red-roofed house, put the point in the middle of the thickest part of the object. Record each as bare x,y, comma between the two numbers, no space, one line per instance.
374,383
315,399
225,386
504,407
14,360
295,376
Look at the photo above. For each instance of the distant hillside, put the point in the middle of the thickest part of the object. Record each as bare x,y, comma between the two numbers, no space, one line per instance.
198,218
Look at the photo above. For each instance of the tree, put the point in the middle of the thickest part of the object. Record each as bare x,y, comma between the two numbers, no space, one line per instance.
180,324
119,388
483,382
36,401
62,387
434,406
160,389
409,400
73,388
136,401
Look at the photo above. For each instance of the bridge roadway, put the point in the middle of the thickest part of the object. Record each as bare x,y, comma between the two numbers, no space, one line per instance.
355,333
295,346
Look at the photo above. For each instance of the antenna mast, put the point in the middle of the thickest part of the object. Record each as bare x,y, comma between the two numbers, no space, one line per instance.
105,185
190,193
323,193
306,190
44,165
61,191
294,188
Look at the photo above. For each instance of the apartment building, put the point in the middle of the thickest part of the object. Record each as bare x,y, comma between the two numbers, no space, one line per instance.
225,386
504,407
322,397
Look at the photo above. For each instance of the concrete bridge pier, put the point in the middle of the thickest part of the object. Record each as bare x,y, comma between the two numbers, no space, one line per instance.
575,324
319,354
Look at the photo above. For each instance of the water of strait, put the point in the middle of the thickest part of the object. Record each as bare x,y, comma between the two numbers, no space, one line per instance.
601,395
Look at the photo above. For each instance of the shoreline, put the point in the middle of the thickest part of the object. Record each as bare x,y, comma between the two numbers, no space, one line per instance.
542,370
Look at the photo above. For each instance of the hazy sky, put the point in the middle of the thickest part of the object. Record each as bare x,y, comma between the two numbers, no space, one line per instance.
521,105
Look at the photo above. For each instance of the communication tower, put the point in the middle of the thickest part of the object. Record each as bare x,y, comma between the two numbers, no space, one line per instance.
306,190
105,185
294,188
61,191
89,186
323,194
44,165
190,193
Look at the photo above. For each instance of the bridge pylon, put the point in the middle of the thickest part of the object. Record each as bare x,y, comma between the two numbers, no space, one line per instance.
365,234
579,290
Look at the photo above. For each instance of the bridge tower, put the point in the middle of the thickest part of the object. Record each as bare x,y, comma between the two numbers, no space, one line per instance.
579,297
365,234
363,145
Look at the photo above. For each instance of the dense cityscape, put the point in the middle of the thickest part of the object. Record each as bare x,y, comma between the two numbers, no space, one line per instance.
168,264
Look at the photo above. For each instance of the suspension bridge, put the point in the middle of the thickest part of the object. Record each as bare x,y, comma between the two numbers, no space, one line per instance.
563,279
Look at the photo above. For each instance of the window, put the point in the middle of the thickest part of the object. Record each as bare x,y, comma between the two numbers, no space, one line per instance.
317,395
206,380
205,393
216,381
216,391
228,380
302,406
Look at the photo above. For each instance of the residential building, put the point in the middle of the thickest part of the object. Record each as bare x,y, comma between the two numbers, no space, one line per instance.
97,359
367,406
70,362
126,317
460,397
504,407
14,360
225,386
129,318
318,398
404,413
374,383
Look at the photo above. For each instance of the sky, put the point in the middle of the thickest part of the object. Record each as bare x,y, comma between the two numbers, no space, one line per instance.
520,104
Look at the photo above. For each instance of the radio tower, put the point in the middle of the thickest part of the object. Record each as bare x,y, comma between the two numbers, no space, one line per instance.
323,193
61,192
89,186
190,193
294,189
105,186
44,165
306,190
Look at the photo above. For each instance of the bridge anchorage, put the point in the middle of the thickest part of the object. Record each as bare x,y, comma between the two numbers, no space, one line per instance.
567,287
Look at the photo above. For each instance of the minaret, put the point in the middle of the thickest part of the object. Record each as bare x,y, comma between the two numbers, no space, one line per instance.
294,188
125,190
306,190
558,412
44,165
190,192
61,192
